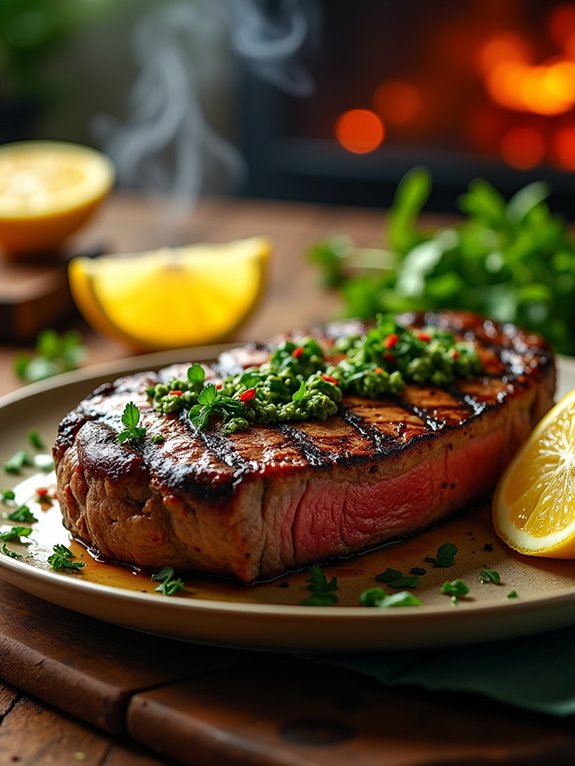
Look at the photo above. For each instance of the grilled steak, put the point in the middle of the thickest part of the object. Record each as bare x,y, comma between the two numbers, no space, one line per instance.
271,498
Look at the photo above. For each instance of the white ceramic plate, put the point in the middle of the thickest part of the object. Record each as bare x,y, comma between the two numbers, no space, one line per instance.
270,615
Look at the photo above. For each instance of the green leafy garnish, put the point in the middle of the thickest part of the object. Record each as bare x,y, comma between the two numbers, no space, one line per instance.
513,594
396,579
213,402
490,576
321,589
54,354
196,374
445,556
24,514
377,597
7,496
130,418
61,560
456,589
8,552
18,461
35,440
15,534
511,260
169,583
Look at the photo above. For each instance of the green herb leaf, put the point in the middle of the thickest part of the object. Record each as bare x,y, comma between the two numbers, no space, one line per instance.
299,395
377,597
24,514
15,534
8,552
61,560
35,440
7,496
169,583
513,594
54,354
445,556
490,576
456,589
17,462
396,579
130,418
196,374
322,590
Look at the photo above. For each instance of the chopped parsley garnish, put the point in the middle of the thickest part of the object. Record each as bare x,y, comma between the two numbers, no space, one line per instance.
54,354
396,579
24,514
377,597
322,591
445,556
130,418
490,576
61,560
304,380
7,496
35,440
15,534
10,553
19,460
456,589
513,594
169,583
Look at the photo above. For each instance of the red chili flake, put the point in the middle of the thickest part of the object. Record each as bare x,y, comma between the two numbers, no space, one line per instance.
42,492
297,352
176,392
424,336
391,340
378,371
454,353
329,379
218,386
247,395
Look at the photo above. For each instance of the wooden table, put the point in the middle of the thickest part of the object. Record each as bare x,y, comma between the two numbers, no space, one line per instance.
75,690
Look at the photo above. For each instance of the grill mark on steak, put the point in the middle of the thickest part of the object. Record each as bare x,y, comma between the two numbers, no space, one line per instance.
382,443
306,446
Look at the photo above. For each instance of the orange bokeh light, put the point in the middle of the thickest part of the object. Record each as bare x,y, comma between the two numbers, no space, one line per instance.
398,101
359,131
564,148
522,147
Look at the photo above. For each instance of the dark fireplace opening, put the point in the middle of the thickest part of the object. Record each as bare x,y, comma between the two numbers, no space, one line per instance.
468,89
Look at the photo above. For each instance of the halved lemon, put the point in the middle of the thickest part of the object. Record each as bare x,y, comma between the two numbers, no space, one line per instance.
170,298
48,189
534,503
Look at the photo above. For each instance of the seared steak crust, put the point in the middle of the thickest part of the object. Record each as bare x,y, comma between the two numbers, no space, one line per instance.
272,498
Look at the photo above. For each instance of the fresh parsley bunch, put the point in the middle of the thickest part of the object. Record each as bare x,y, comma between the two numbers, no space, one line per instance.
511,260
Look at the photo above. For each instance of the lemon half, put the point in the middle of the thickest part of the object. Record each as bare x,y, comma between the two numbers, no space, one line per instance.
172,297
534,503
48,189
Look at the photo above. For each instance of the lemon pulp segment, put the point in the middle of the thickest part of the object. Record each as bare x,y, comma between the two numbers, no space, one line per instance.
171,297
47,190
534,503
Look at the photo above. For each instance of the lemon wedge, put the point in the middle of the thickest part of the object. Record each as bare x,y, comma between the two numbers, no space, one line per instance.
172,297
534,503
48,189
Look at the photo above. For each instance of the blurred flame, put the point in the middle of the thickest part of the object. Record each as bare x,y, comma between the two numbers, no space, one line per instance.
515,83
522,147
359,131
398,101
563,147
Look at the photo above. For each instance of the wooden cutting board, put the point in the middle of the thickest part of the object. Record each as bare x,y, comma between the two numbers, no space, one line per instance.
202,705
33,295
